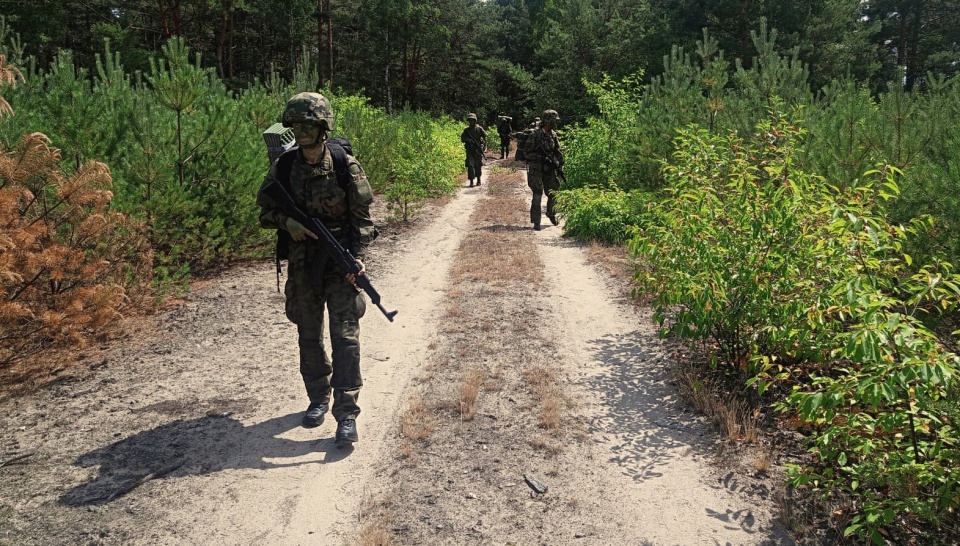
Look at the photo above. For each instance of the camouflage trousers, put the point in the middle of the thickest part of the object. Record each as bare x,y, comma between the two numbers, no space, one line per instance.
505,144
474,164
541,181
308,294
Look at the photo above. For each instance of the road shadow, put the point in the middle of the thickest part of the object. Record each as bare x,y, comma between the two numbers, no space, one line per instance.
651,427
641,407
197,446
503,227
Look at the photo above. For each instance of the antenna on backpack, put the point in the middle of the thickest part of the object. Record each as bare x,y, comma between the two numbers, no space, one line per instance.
279,139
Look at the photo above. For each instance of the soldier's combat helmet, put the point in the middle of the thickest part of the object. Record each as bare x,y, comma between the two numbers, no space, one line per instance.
309,108
551,116
471,117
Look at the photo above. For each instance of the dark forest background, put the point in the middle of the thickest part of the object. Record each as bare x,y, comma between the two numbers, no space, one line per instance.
510,56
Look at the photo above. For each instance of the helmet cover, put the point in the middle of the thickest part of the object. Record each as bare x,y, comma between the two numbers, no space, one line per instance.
309,108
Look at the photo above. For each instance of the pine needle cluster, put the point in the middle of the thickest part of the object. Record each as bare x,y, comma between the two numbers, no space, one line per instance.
8,76
69,266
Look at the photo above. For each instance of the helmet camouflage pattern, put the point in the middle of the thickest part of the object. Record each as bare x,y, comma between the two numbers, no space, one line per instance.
471,116
309,108
551,116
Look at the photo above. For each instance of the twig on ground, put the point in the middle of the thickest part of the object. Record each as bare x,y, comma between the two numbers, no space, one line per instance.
14,460
123,490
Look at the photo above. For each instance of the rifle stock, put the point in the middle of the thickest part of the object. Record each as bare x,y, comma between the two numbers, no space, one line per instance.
340,255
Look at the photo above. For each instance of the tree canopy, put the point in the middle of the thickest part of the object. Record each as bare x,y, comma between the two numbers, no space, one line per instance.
500,56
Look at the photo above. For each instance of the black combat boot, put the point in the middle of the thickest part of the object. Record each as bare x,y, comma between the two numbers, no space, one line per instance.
536,226
471,182
553,219
346,432
316,411
478,181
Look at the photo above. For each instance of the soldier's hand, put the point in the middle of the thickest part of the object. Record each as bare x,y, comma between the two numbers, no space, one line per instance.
351,278
297,231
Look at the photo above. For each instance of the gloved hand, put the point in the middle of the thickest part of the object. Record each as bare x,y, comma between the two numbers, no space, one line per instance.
297,231
350,276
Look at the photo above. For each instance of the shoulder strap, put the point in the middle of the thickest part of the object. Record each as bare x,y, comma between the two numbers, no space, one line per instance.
341,165
284,166
282,251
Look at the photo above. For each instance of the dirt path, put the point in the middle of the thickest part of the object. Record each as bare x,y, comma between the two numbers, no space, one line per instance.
192,436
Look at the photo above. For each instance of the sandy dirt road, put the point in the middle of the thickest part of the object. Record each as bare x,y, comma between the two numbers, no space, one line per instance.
189,433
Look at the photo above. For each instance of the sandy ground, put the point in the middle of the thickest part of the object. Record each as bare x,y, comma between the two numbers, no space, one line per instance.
189,432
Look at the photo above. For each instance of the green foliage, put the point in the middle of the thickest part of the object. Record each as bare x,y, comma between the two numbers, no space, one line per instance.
885,417
801,285
612,216
415,175
408,157
918,132
612,149
726,253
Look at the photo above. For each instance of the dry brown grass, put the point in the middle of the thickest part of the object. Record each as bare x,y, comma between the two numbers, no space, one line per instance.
417,423
735,420
551,415
546,444
375,533
496,215
376,516
405,449
549,397
469,391
764,462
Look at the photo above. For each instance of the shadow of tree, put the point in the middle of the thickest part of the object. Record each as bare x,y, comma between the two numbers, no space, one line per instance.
193,447
643,409
653,427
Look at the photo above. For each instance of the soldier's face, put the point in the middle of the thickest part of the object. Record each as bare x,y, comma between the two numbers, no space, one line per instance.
306,134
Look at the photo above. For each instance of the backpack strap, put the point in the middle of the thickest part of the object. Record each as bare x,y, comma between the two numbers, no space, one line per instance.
339,148
341,165
282,251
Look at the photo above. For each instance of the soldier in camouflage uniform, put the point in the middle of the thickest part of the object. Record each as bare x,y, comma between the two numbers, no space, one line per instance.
542,152
474,139
504,129
314,282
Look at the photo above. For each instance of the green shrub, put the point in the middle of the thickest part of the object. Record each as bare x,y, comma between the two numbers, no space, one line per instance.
885,412
728,253
611,216
806,288
408,157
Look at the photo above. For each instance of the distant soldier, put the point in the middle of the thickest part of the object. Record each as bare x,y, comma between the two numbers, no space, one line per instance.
542,151
474,140
504,129
534,124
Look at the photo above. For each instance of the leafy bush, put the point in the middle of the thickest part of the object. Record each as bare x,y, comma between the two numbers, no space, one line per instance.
728,253
408,157
885,413
805,286
612,216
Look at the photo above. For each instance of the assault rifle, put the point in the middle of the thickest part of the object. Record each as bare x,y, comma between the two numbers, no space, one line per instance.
556,166
331,246
482,146
553,160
